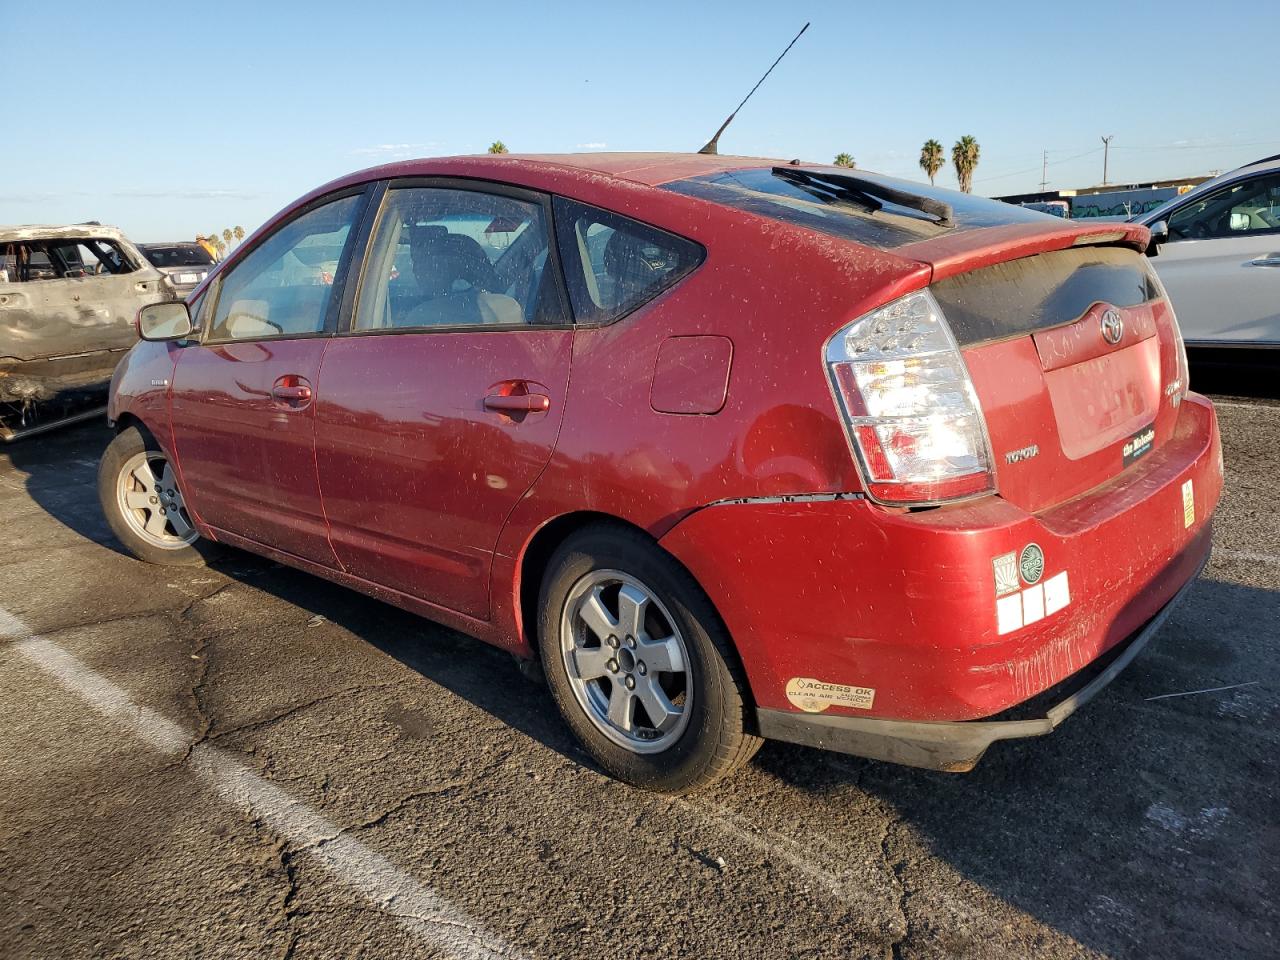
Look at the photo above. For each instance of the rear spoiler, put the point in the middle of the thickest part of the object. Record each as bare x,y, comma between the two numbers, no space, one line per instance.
968,250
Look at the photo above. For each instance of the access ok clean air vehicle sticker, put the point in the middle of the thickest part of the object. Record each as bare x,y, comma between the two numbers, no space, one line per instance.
814,696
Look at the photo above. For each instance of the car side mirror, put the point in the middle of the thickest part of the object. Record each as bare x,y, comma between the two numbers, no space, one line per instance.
1159,234
165,321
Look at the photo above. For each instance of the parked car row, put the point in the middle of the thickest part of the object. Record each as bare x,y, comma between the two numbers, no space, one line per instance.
734,449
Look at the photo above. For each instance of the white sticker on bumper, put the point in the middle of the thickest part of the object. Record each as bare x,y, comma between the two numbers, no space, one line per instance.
1018,610
1188,504
1032,604
1009,613
1057,594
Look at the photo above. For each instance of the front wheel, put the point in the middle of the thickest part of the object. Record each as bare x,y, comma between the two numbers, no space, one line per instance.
143,504
640,665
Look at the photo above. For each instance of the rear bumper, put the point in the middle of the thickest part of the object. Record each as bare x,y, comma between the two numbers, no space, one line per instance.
957,746
899,612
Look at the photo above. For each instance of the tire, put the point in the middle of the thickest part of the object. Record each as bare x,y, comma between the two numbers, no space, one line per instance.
145,513
610,576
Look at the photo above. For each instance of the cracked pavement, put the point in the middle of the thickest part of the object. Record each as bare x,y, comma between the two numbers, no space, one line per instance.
1140,828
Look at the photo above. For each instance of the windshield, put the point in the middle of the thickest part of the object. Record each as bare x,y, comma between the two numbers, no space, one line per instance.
177,255
833,210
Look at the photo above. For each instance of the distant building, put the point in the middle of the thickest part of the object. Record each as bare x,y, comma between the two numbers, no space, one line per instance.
1113,200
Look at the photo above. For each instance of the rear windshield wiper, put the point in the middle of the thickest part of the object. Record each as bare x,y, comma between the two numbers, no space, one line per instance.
866,193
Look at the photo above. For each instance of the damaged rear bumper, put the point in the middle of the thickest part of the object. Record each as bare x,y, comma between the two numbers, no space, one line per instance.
958,745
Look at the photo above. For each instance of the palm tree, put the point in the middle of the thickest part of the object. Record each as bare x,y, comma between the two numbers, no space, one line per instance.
238,233
226,238
932,158
844,160
964,156
497,147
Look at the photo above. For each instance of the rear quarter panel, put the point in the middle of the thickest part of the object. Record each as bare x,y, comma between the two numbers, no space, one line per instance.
777,293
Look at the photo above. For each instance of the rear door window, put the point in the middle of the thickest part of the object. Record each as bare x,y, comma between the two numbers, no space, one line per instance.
449,258
613,264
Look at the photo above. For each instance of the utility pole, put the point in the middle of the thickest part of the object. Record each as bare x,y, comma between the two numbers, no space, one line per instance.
1106,150
1044,171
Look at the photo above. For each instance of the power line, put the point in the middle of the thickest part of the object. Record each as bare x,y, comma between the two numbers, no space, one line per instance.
1051,163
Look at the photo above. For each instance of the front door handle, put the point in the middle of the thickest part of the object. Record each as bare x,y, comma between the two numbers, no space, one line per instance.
1270,260
518,402
291,393
291,389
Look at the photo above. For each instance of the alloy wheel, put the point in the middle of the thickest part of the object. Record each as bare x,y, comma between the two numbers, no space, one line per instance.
626,661
151,503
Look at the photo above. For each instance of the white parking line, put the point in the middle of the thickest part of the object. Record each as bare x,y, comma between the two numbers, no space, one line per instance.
416,907
802,858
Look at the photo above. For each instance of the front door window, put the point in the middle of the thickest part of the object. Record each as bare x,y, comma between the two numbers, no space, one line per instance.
283,288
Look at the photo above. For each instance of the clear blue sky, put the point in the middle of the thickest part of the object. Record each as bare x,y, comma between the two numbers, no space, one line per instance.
185,118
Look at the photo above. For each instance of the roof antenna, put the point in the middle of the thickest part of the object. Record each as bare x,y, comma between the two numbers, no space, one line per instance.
713,144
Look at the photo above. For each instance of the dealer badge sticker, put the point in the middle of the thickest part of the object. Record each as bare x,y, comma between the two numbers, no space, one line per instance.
1031,563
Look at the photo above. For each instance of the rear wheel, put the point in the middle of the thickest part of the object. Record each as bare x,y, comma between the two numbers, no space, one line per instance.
640,665
143,503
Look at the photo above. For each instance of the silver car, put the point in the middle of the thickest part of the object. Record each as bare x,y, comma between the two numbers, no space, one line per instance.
185,264
1220,260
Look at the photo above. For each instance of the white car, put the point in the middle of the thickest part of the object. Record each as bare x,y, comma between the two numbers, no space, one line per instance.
1220,261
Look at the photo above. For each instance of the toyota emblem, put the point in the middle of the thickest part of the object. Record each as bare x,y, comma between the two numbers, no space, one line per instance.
1112,326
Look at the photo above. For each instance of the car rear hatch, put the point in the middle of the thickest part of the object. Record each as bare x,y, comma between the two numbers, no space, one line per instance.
1073,351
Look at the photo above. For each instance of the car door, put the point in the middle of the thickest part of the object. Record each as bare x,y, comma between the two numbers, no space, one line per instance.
243,401
1221,264
440,406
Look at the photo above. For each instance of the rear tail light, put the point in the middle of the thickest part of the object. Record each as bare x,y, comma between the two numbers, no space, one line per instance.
1176,390
909,406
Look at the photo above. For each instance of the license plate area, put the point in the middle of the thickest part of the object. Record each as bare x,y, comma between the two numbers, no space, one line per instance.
1106,399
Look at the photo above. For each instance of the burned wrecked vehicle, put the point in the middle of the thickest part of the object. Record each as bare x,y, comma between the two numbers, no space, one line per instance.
68,298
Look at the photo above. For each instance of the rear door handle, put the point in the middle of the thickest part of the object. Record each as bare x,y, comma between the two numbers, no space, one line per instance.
1270,260
518,402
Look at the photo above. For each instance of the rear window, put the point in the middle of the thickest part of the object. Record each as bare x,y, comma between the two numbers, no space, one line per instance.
1018,297
613,264
766,193
184,255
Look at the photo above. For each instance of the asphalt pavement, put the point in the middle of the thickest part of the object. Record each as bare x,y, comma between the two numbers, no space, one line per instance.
245,761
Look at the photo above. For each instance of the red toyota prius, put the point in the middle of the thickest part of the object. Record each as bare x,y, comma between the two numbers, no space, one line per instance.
736,448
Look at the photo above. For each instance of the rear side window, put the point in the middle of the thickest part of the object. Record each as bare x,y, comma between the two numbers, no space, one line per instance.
613,264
